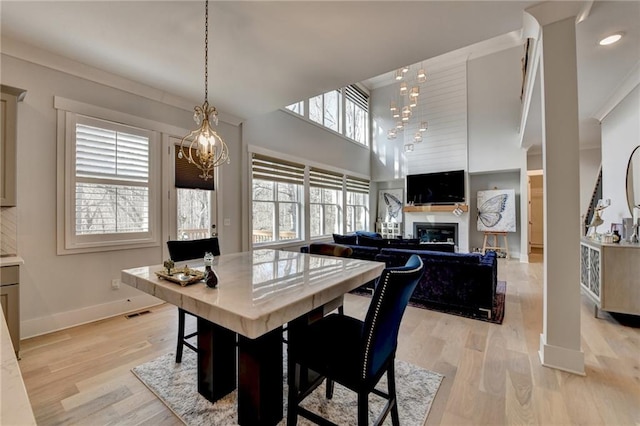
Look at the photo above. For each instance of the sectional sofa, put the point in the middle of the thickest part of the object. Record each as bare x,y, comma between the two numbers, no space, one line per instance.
464,282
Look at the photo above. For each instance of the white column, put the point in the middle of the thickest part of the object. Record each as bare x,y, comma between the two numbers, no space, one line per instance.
560,339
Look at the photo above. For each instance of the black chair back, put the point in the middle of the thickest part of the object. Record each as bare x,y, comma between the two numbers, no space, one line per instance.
382,323
180,250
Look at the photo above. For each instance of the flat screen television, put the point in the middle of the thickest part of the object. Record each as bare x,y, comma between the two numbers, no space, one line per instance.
436,188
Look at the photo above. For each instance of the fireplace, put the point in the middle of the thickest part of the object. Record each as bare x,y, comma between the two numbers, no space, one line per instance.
439,232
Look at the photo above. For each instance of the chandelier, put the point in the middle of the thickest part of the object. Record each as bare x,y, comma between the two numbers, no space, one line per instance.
203,147
404,108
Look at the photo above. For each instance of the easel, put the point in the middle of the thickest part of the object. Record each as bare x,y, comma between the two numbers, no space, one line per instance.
495,245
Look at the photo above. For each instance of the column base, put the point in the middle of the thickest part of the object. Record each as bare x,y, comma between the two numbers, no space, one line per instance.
560,358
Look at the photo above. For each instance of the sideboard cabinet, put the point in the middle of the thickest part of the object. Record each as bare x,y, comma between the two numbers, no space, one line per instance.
610,275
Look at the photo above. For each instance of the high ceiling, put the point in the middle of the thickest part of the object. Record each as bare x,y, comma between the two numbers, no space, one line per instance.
267,54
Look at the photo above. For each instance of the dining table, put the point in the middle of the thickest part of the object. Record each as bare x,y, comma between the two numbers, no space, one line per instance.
240,322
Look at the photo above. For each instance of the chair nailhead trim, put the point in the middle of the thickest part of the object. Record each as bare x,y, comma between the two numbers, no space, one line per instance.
367,350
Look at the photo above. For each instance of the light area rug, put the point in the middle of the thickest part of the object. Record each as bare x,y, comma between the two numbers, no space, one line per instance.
176,385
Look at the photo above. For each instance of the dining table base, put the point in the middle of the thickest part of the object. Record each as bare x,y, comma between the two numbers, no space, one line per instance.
259,371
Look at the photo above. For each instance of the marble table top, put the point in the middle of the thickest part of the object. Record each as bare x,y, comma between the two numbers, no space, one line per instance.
261,290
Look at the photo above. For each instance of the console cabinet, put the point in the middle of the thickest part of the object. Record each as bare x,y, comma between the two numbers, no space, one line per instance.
609,275
389,229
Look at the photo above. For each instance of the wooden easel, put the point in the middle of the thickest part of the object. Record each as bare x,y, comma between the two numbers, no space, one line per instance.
495,245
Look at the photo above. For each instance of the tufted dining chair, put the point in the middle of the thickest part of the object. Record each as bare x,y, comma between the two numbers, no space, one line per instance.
354,353
180,250
331,249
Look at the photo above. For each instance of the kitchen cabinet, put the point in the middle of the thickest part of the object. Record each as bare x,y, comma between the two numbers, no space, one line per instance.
8,143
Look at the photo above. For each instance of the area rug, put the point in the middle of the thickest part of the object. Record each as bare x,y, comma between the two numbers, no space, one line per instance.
176,385
497,313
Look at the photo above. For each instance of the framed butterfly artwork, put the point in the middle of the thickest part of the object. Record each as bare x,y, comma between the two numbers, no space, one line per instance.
390,205
497,210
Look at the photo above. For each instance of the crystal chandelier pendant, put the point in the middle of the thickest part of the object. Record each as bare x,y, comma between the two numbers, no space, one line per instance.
408,147
203,147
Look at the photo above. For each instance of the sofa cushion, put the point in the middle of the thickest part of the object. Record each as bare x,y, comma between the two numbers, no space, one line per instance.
350,239
369,234
364,252
473,258
366,241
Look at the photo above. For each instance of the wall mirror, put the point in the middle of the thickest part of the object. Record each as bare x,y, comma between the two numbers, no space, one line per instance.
633,179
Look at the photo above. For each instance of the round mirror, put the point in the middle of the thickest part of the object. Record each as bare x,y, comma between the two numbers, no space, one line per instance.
633,180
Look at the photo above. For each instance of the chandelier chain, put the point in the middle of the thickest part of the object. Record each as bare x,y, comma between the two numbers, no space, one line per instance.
206,51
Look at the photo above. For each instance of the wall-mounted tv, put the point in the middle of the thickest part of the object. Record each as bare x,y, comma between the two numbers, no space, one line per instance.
436,188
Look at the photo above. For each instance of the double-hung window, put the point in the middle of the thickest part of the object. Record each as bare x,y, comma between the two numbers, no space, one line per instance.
276,199
357,208
325,200
110,177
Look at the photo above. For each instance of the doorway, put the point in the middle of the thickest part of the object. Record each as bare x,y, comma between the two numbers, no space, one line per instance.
193,212
536,215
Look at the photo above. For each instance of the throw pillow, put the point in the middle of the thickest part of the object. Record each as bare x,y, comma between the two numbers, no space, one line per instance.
345,239
368,234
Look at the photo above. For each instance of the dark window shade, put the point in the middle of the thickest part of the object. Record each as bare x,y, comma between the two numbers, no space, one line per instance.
188,175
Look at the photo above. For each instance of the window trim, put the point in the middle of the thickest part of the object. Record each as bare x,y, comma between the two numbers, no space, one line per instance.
66,241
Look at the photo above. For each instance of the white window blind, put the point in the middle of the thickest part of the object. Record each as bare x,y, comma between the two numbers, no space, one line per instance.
355,95
277,170
111,178
319,178
109,154
358,185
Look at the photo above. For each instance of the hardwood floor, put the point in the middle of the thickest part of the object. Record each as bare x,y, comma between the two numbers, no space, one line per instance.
492,372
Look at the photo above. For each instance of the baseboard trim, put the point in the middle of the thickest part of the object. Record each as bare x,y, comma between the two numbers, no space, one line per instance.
569,360
62,320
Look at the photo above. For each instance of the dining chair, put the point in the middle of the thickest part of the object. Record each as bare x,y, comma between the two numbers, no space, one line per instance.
351,352
180,250
331,249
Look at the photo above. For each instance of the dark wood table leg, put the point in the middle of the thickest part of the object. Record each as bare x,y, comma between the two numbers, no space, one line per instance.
216,360
260,388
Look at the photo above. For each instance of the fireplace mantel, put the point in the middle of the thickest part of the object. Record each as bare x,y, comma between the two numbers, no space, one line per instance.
435,208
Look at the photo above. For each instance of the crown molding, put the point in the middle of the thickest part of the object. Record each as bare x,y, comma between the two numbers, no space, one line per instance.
630,82
50,60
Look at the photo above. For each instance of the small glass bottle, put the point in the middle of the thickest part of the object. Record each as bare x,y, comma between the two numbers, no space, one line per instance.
210,277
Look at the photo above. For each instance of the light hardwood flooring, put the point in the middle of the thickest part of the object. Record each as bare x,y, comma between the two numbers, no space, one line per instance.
492,372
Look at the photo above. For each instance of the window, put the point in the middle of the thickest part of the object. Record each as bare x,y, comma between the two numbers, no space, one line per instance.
109,168
357,210
298,108
325,200
345,111
111,178
356,115
293,201
276,200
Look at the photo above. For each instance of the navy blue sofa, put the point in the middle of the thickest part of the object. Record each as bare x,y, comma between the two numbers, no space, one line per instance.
459,281
464,282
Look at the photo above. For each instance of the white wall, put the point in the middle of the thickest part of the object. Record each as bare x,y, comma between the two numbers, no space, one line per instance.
620,136
494,106
287,133
60,291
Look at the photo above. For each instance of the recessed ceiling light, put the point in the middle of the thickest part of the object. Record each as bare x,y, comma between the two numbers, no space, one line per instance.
610,39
